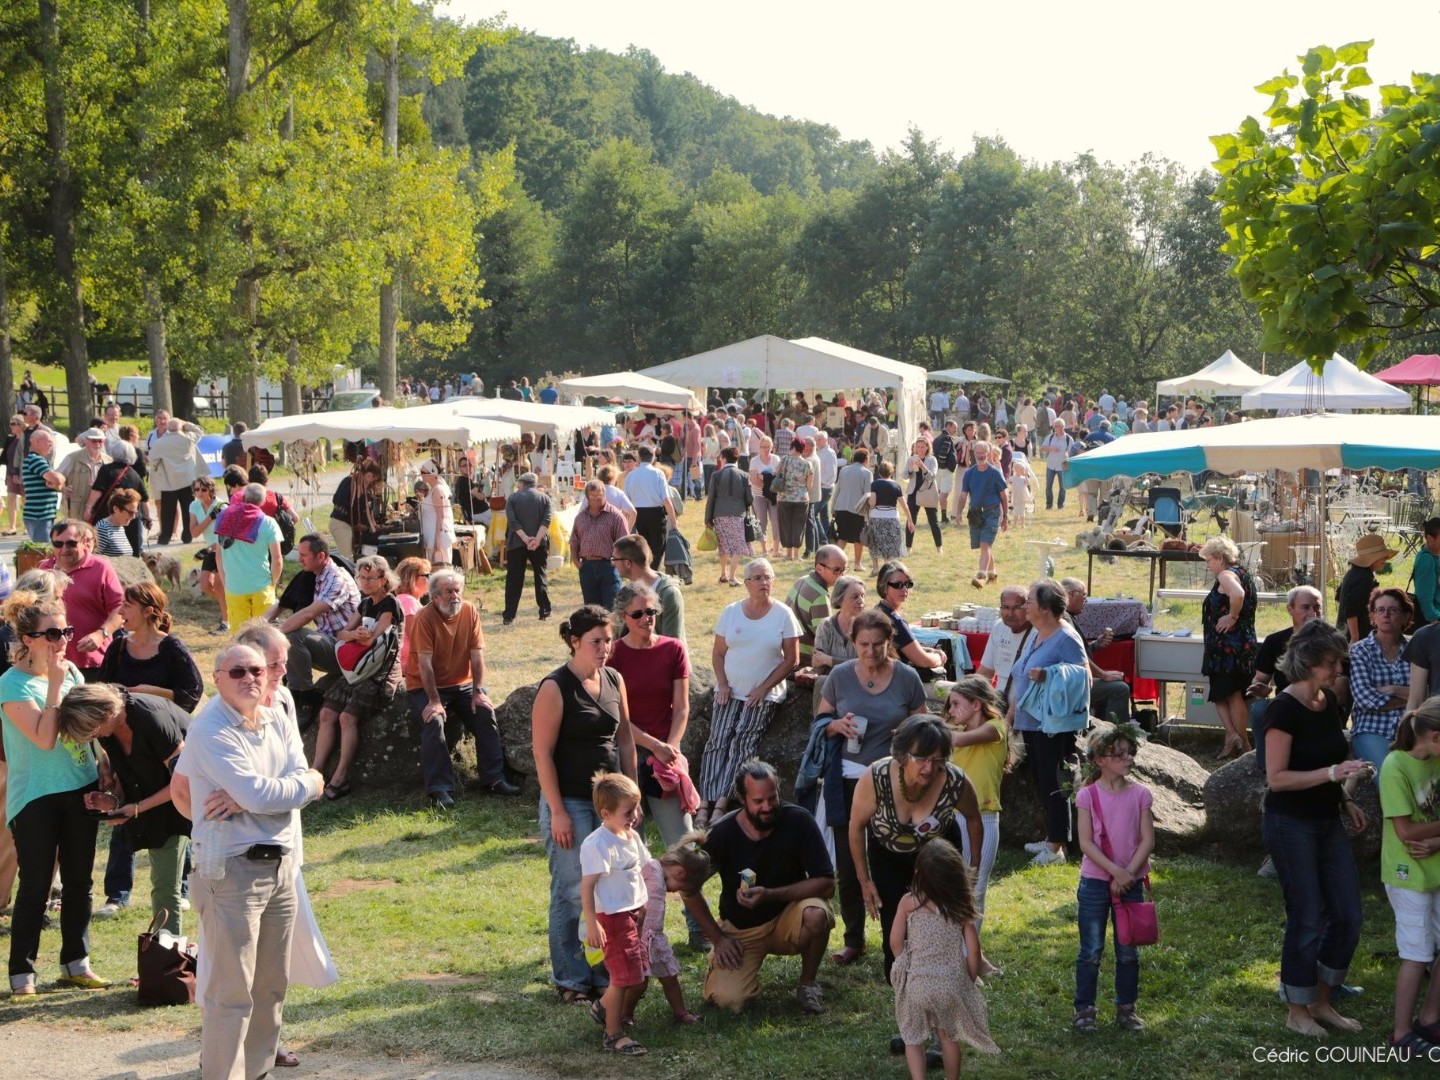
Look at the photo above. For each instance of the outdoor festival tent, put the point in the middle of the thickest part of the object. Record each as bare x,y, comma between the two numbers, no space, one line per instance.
403,425
1341,386
559,422
630,386
1229,376
809,364
965,375
1292,443
1422,369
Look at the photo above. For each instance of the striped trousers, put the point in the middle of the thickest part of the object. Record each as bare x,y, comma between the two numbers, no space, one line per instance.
735,732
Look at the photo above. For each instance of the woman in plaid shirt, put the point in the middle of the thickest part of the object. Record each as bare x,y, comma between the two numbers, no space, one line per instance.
1379,676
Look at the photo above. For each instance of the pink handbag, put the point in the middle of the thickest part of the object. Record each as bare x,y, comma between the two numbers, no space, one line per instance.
1135,920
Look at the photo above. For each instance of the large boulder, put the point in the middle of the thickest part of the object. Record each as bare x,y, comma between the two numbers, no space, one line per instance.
782,745
389,751
1176,781
131,571
1235,793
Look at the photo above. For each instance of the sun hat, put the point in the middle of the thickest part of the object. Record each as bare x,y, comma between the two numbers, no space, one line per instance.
93,433
1369,548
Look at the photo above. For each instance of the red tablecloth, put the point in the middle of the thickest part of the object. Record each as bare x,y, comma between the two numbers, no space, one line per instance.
1120,656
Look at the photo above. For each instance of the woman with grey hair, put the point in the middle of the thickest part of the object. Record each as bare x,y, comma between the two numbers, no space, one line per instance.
141,736
1309,773
1228,616
346,702
757,644
832,637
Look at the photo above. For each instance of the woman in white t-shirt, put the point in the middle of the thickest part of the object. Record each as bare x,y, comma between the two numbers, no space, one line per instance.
757,643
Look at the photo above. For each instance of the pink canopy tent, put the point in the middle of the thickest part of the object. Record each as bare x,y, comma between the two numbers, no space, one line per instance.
1422,369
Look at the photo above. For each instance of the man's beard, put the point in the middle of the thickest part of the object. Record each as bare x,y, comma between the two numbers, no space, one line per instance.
451,607
763,820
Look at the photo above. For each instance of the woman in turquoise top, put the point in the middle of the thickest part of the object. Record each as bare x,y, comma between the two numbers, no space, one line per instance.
204,509
45,799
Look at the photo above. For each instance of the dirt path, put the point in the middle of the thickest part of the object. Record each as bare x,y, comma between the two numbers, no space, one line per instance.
39,1049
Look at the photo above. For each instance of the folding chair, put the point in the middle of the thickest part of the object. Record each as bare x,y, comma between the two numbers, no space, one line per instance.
1165,510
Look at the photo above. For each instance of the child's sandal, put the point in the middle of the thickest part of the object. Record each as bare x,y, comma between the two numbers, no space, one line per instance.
597,1012
1084,1021
1127,1019
625,1046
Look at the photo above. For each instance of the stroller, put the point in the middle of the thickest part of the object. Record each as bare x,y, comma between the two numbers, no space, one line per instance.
677,556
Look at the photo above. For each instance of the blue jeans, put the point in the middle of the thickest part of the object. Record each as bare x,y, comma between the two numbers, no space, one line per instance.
1372,748
436,764
1258,709
599,582
567,959
1051,476
823,513
119,868
1316,868
39,531
1095,911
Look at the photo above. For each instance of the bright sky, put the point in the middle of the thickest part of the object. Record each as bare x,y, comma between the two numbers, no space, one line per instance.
1114,77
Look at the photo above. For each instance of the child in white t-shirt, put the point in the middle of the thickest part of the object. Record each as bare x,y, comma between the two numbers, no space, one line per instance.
612,899
1020,480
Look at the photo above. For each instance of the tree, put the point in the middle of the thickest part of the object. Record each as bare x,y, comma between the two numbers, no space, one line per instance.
1332,213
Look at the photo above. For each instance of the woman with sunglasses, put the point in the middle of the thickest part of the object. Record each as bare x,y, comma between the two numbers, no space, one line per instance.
204,509
45,795
656,670
14,456
110,538
894,584
865,699
410,594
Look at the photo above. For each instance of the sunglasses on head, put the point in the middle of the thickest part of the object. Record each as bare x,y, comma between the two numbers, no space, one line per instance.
54,634
239,671
60,545
646,612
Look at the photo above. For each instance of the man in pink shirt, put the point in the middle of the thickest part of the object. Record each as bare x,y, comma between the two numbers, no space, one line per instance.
92,602
690,439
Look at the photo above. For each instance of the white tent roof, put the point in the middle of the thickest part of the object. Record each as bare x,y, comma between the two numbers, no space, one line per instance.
773,363
417,425
559,422
965,375
1342,386
630,386
1229,376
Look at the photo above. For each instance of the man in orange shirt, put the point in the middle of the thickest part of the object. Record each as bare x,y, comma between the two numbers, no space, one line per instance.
445,678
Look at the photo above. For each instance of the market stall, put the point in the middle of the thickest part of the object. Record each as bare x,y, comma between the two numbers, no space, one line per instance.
630,386
1227,376
1339,385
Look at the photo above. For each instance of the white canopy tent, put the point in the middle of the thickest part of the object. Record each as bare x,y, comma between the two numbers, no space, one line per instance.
965,375
559,422
1341,386
809,364
1229,376
630,386
403,425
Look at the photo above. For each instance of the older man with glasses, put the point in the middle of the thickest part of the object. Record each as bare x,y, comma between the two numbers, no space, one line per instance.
809,597
240,775
92,602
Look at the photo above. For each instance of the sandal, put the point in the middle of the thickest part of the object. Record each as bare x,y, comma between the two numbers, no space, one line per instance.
286,1059
625,1046
335,791
597,1012
1084,1021
570,996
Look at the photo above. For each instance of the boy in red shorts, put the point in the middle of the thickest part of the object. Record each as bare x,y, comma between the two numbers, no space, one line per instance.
612,898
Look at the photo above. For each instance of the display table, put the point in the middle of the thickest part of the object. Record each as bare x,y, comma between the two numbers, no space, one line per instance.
931,636
1156,558
1122,615
1118,656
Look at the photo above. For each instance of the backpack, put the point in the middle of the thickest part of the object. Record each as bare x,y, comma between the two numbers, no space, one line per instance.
285,518
360,662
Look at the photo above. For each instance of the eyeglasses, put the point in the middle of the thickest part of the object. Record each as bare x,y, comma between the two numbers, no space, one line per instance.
1385,611
239,672
834,569
54,634
422,577
61,545
761,577
643,613
900,584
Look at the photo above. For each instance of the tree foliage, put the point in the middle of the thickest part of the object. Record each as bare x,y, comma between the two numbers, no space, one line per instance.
1332,207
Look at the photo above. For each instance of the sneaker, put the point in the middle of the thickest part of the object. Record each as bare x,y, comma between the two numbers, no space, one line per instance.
1127,1019
442,800
220,628
810,998
184,903
108,910
1267,868
503,787
1049,857
87,981
1037,846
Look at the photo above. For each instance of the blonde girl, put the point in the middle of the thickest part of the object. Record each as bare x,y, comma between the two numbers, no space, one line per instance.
1410,869
975,712
682,869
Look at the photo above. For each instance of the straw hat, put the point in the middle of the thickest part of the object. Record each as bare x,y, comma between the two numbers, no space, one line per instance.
1369,549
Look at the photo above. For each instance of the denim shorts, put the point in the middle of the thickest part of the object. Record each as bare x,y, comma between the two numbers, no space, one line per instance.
987,530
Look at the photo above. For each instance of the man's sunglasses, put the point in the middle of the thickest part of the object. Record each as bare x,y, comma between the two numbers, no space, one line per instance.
55,634
239,672
61,545
646,612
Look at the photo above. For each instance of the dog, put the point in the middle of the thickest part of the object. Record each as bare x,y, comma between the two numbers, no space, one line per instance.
164,567
192,582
